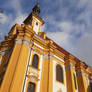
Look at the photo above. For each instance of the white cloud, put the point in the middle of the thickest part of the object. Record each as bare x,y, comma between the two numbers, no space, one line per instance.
19,16
84,48
59,37
3,18
80,46
65,26
9,19
83,45
19,19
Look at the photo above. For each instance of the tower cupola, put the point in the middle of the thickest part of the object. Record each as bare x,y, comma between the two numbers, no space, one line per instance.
36,9
34,20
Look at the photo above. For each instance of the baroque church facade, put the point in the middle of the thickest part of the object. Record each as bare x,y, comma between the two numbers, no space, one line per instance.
32,62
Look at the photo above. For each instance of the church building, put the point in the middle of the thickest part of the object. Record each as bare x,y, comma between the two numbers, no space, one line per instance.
32,62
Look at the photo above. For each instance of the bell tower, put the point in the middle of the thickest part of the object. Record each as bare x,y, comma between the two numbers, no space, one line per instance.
34,20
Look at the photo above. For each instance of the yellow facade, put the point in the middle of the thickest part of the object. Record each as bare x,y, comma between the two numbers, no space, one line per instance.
31,62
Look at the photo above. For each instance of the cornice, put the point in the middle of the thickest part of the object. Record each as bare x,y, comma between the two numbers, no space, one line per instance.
24,34
45,44
81,66
2,52
37,36
27,28
8,43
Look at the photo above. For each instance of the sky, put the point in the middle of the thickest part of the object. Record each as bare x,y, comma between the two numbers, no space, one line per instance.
67,22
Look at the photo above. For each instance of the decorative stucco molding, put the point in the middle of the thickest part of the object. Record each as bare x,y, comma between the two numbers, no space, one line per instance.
22,41
69,67
58,58
18,41
38,46
46,56
36,52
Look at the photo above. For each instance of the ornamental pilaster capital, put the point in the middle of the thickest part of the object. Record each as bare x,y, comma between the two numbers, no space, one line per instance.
69,59
81,66
70,66
48,56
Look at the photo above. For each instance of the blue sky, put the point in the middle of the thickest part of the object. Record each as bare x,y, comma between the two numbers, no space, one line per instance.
67,22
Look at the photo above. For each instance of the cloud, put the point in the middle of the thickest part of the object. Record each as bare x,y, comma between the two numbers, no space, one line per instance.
3,18
9,19
59,37
18,16
84,48
19,19
73,29
67,37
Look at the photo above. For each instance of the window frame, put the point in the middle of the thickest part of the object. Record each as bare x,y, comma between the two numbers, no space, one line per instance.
62,73
32,60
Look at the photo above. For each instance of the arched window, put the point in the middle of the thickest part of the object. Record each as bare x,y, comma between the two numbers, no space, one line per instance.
59,73
31,87
35,61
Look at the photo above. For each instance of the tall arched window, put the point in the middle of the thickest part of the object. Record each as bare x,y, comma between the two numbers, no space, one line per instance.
59,73
31,87
35,61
